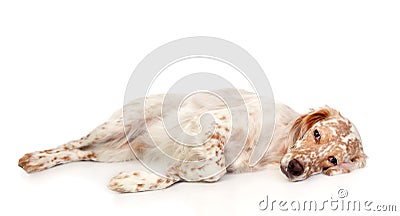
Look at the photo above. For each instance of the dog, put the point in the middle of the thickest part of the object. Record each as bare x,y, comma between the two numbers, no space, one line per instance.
320,141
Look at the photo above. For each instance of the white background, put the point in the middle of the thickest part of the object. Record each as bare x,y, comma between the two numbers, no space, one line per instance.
64,68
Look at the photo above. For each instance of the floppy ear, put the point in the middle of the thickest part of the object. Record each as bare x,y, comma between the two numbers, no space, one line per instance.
306,121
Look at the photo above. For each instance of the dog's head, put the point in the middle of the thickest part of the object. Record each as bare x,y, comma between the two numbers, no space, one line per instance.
323,141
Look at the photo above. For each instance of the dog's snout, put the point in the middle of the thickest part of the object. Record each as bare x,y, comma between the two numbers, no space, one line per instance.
295,168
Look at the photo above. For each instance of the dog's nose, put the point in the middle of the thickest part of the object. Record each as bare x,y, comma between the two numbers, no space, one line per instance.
295,168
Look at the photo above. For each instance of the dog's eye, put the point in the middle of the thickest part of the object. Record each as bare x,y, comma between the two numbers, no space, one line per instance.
317,136
333,160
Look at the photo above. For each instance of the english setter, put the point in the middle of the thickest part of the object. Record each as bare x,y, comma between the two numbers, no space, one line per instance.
321,141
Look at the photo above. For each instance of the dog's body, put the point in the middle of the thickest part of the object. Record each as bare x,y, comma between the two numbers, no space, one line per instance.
320,141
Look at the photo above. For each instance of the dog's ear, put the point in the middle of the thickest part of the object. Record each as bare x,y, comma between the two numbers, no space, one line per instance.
306,121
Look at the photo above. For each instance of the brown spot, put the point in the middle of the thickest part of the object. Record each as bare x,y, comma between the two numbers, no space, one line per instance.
41,156
168,181
223,118
66,147
91,155
139,148
139,186
66,158
216,136
136,174
219,161
24,160
32,168
48,151
159,181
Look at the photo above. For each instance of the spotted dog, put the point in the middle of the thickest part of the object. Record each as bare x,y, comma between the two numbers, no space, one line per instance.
321,141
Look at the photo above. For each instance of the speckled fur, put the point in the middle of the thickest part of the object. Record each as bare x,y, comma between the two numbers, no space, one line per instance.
291,140
339,138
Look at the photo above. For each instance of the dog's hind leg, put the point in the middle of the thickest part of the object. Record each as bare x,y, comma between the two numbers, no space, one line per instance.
106,143
42,160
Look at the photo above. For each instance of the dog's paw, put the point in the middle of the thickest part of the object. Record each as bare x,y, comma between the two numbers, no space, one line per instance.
32,162
129,182
41,160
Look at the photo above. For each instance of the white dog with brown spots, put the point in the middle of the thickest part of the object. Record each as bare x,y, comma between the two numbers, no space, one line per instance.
321,141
